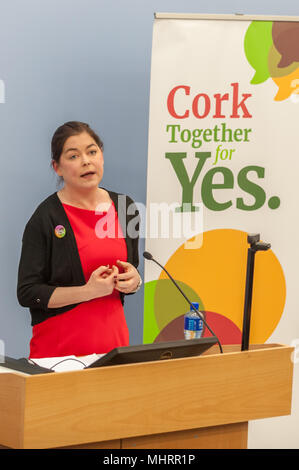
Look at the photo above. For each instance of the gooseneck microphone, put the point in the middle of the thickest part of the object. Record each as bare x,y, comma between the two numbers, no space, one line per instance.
149,257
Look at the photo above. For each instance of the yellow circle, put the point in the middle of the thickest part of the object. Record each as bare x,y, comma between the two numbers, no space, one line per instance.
217,272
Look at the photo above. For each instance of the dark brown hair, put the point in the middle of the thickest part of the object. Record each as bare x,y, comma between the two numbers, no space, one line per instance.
67,130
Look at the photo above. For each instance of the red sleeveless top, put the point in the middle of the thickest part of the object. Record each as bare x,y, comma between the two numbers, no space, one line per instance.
98,325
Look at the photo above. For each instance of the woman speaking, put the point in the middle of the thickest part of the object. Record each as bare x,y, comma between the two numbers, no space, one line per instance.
79,254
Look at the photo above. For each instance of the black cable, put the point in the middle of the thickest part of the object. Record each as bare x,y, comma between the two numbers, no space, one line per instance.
63,360
191,305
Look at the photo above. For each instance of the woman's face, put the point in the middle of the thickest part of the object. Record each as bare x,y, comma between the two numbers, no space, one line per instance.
80,154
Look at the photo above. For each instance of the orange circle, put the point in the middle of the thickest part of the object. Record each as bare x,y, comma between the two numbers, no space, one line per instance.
217,273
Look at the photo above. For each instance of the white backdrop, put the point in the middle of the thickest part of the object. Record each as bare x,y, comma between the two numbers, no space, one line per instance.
204,98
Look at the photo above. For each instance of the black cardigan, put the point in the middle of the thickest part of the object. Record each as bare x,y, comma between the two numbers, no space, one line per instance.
48,262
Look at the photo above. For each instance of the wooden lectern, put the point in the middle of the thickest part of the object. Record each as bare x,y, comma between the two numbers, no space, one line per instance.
191,403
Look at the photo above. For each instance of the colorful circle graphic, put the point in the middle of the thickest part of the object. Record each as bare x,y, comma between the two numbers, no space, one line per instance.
60,231
215,276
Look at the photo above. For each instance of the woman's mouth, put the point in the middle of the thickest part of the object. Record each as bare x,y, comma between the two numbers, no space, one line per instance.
88,175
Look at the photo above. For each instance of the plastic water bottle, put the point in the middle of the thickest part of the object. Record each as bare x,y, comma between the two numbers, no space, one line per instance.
193,325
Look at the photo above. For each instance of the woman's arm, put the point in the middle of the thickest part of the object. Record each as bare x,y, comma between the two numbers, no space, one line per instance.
129,281
33,291
63,296
101,283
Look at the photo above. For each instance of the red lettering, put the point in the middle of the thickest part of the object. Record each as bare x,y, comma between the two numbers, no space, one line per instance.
219,98
201,103
242,104
170,102
195,106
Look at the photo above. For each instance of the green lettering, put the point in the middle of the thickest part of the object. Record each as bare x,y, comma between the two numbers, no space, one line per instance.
246,132
207,134
238,135
173,128
251,188
208,186
176,160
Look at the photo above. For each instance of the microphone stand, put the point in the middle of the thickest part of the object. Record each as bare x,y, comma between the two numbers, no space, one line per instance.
149,257
255,245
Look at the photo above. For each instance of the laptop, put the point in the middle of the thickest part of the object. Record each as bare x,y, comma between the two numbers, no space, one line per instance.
155,352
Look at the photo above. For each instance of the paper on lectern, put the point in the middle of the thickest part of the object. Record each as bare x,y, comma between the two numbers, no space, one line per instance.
66,363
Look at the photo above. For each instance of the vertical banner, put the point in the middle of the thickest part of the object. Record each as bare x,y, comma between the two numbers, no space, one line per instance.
223,162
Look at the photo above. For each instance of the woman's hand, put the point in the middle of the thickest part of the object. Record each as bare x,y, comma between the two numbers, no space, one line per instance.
101,281
127,281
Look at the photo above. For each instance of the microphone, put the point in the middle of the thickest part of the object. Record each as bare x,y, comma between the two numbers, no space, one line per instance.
149,257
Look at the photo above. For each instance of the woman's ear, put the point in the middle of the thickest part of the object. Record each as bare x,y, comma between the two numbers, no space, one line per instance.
56,167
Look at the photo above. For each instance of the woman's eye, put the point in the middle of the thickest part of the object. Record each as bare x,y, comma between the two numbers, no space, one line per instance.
72,157
93,152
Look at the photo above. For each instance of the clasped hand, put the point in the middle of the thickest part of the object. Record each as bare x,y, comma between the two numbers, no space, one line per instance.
104,279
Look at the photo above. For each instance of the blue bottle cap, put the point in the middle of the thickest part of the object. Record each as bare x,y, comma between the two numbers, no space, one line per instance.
196,305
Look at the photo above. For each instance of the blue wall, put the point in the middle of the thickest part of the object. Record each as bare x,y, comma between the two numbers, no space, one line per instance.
66,60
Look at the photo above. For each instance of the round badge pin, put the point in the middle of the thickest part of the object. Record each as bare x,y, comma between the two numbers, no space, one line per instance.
60,231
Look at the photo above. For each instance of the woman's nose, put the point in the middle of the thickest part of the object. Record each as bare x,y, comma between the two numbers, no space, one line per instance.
85,158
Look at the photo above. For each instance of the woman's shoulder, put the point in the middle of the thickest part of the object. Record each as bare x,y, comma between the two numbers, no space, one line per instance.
45,209
39,219
118,197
